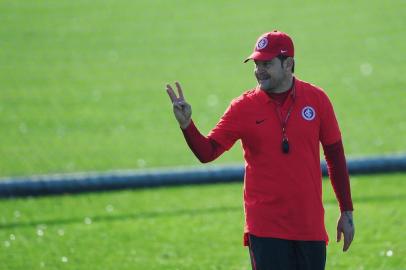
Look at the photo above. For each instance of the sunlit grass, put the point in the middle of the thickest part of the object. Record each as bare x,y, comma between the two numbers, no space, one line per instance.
82,82
196,227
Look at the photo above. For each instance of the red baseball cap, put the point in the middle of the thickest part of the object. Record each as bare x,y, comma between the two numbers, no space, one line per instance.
272,44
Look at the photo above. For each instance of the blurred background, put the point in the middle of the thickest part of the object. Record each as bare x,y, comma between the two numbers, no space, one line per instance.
82,88
83,82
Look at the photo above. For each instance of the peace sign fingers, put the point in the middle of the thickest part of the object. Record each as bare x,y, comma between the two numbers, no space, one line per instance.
181,109
172,94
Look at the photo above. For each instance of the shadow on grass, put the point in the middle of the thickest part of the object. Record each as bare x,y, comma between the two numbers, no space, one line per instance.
134,216
178,212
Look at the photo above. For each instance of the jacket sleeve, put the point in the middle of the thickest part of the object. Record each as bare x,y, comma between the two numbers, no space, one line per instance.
227,130
205,149
338,173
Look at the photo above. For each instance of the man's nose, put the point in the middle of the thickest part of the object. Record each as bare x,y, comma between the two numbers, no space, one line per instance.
260,68
260,71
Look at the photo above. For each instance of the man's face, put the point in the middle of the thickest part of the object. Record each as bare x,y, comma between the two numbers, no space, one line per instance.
269,74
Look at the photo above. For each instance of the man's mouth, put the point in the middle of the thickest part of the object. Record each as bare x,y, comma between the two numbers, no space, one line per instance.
263,78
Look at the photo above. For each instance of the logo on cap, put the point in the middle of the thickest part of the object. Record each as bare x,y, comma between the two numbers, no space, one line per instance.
308,113
262,43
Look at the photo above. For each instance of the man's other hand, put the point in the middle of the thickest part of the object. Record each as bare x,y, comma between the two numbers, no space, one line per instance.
345,226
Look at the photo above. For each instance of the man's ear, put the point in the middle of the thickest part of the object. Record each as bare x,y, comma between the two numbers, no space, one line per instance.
289,62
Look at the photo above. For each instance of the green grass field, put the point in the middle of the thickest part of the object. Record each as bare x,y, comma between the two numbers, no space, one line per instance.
197,227
82,88
83,82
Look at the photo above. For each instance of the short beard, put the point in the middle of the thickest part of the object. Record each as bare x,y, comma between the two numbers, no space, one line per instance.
268,87
265,85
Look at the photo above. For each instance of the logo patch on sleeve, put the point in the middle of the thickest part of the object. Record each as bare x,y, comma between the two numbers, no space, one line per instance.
262,43
308,113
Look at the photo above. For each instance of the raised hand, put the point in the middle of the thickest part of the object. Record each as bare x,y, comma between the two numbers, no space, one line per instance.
181,109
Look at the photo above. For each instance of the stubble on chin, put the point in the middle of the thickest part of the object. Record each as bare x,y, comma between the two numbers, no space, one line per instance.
266,85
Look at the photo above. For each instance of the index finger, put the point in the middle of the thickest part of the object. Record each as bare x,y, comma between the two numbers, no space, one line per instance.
179,91
171,93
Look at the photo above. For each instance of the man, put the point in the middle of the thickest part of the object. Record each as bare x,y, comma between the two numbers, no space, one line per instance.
280,123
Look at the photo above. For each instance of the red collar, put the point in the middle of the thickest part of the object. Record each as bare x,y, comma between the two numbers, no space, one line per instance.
265,98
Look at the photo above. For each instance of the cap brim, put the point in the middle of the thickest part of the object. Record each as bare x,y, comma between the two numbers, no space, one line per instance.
261,56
